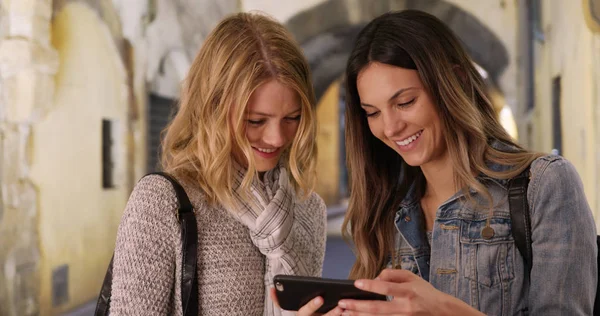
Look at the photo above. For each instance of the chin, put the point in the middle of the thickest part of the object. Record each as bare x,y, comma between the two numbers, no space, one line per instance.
264,166
413,162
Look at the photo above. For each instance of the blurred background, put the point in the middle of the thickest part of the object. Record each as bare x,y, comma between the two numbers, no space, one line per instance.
86,86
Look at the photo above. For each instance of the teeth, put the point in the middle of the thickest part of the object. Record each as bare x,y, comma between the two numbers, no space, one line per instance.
409,140
268,151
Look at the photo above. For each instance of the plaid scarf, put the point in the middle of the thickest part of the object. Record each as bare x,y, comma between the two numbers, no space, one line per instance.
269,217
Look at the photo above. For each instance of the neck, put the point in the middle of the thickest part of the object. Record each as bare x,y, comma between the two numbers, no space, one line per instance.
440,186
439,176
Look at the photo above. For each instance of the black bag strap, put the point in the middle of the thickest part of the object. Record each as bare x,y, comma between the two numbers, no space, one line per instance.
103,303
520,217
189,241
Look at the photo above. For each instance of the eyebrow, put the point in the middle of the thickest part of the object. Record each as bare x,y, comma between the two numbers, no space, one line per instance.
394,96
271,115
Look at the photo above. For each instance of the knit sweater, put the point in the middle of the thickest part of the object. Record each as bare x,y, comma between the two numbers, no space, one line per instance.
148,254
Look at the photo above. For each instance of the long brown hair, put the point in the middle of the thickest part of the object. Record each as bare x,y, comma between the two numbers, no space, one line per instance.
379,178
244,51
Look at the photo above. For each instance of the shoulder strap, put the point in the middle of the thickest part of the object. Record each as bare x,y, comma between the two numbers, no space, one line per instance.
520,217
103,303
189,241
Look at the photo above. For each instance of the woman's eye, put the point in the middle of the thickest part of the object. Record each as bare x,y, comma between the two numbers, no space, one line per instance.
374,114
294,118
252,122
407,103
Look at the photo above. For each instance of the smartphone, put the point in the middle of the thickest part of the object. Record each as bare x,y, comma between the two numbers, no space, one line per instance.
294,291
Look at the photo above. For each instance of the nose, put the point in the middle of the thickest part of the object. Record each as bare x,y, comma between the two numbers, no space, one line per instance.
274,135
392,123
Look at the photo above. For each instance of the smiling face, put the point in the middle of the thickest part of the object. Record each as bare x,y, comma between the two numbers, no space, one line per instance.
400,113
272,119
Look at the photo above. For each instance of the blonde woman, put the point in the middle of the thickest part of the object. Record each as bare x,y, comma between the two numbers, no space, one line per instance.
242,145
430,171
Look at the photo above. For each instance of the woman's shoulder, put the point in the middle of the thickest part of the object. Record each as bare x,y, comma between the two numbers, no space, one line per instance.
553,175
149,216
312,207
153,199
548,167
158,189
310,216
154,189
313,201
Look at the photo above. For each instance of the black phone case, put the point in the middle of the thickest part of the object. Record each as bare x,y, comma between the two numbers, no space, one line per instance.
293,292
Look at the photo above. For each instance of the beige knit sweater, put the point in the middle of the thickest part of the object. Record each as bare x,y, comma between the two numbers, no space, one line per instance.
148,254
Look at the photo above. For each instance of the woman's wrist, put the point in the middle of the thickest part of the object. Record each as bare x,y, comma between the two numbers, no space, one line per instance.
453,306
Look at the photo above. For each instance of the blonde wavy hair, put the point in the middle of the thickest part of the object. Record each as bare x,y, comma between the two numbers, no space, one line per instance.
244,51
379,178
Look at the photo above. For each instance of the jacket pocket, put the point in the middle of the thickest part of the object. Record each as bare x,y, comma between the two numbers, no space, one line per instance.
487,261
405,260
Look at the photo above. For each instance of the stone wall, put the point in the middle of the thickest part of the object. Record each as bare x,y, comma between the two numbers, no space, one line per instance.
51,105
27,67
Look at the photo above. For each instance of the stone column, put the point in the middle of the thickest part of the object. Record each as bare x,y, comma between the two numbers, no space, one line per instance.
27,67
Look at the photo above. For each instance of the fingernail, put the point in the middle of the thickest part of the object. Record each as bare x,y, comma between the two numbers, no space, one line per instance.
377,279
359,284
342,304
317,301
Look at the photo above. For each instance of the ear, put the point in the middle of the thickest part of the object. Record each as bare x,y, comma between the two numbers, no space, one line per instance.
460,73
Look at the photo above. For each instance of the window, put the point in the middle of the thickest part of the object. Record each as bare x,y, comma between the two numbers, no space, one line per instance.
161,110
107,155
556,121
60,285
533,36
536,20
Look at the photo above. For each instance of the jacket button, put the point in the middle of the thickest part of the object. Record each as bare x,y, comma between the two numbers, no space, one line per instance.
487,232
407,219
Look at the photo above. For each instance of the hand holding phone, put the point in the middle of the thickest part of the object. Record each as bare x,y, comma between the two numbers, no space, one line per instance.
293,292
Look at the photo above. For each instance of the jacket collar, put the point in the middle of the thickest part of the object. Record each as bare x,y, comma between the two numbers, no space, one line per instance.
411,197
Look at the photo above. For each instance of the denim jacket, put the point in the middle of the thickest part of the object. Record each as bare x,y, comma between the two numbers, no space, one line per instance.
489,274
